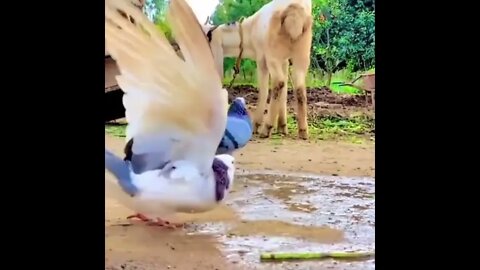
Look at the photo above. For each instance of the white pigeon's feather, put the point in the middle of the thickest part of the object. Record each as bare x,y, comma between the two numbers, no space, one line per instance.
162,197
175,109
167,98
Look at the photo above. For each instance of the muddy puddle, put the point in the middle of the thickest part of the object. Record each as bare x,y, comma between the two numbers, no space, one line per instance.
275,212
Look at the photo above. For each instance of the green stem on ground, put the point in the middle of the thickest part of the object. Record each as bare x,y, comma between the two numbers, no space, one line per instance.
315,255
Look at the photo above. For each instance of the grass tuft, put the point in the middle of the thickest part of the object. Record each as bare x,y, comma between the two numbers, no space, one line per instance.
356,129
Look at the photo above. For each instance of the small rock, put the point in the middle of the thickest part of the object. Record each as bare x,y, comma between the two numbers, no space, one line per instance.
322,104
242,252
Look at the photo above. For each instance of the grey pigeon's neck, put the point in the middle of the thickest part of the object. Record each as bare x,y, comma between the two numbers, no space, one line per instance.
237,109
222,181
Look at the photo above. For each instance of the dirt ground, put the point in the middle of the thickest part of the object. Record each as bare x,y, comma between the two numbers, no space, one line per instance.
314,95
321,101
139,246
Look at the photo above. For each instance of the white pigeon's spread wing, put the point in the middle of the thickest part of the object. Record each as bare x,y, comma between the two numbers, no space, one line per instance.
174,100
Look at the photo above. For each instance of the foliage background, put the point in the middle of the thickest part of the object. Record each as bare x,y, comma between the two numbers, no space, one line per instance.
343,42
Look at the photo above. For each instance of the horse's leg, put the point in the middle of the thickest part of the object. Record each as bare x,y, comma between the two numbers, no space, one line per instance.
282,111
301,62
262,78
278,85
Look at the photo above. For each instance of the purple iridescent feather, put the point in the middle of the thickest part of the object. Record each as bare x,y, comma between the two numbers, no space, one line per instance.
222,181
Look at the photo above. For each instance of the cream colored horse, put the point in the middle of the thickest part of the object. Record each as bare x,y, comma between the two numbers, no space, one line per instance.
278,32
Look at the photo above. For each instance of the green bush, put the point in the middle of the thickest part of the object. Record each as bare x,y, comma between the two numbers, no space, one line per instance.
344,35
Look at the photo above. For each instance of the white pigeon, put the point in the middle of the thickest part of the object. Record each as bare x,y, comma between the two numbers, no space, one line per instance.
175,109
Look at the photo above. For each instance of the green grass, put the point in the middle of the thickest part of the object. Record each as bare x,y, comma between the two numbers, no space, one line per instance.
315,79
339,89
354,129
117,130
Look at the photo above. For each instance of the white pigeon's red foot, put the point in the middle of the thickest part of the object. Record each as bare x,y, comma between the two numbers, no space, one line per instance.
158,222
167,224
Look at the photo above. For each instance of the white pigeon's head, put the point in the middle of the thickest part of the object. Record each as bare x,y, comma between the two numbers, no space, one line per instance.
224,171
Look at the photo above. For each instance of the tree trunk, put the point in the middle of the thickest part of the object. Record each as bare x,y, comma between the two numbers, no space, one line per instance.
329,78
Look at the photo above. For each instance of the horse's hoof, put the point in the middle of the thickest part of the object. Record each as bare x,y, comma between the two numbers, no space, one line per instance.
283,129
266,131
303,134
256,127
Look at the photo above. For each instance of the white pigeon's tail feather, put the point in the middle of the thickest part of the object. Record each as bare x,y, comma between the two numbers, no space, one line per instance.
162,91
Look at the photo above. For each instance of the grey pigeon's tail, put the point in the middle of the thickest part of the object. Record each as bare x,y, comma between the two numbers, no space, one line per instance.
121,170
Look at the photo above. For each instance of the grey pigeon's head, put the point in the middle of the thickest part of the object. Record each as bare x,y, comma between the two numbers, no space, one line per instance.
223,170
238,108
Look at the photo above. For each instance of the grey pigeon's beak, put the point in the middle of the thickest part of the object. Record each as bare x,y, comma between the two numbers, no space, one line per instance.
242,100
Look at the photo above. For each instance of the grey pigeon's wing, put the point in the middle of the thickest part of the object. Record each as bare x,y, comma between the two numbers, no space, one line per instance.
148,162
237,134
120,169
150,152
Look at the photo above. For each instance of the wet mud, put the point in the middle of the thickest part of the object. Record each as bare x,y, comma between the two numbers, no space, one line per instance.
269,212
330,206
